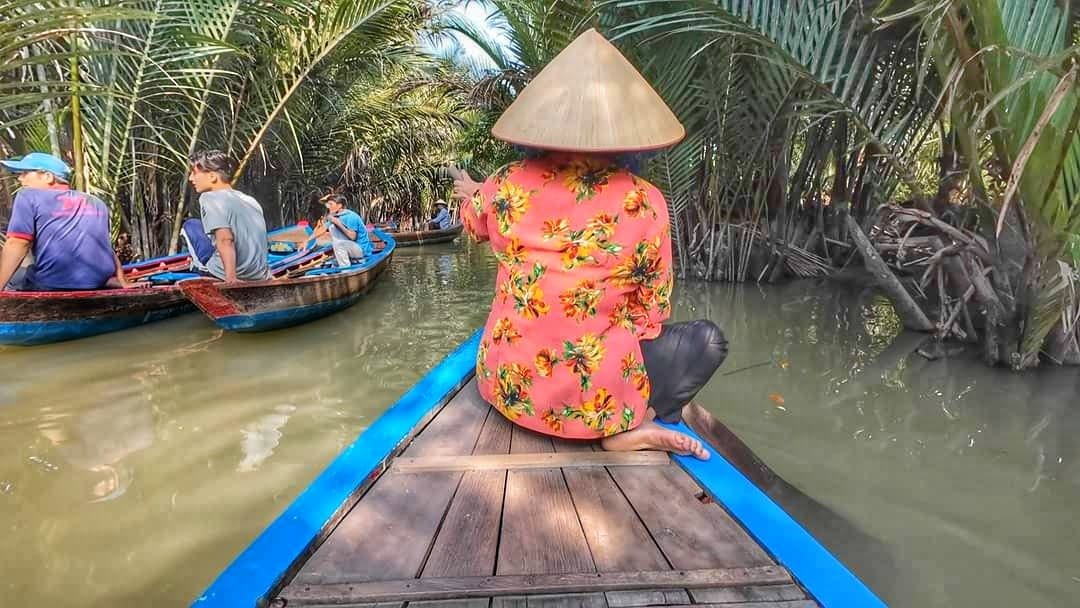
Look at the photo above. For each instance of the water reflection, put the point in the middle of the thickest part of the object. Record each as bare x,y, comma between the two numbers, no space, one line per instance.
97,441
261,437
943,483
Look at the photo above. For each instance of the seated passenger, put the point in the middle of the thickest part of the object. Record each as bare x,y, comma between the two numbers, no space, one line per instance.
347,232
231,218
124,251
577,345
441,219
66,230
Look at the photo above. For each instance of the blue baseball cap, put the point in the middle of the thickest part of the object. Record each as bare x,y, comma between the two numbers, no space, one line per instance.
39,161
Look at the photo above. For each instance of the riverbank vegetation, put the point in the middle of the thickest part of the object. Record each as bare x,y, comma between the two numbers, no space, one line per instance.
931,144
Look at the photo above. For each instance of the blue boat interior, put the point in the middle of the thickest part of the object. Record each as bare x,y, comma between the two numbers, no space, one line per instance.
330,267
168,278
282,254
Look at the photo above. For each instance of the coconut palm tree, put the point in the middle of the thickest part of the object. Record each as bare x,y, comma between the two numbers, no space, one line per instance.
136,87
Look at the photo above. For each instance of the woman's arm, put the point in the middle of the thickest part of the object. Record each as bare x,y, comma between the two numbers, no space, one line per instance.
473,205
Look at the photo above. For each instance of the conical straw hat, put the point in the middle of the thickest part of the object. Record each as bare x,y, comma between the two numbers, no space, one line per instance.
589,99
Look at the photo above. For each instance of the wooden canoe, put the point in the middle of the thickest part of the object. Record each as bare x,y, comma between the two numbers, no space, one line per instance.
442,501
292,298
415,238
30,318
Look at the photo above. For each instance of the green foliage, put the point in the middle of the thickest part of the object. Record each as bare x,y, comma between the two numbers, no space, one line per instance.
306,96
799,113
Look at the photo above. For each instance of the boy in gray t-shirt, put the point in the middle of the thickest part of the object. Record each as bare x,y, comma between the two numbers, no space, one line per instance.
232,219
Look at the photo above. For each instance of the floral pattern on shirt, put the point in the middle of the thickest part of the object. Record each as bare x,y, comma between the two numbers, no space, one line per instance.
584,274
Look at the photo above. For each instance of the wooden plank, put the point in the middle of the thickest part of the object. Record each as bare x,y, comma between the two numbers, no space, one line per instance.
647,597
469,603
575,600
691,534
540,532
790,604
549,460
510,602
469,536
455,431
527,442
388,533
413,589
770,593
574,445
278,604
618,540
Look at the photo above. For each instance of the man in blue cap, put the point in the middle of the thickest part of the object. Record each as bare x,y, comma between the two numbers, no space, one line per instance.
67,231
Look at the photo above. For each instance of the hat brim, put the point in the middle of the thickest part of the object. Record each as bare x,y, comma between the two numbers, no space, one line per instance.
16,166
603,149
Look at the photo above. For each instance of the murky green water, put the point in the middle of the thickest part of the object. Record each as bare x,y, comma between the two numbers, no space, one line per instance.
133,467
943,484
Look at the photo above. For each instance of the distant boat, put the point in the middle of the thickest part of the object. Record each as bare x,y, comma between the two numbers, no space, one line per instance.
303,294
414,238
443,501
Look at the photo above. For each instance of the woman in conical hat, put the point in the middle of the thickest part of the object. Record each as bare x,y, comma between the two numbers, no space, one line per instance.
574,346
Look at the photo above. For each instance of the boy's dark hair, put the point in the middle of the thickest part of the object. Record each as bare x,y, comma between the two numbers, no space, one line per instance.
214,161
337,198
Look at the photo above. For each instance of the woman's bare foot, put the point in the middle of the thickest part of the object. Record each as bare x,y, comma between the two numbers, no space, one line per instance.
652,436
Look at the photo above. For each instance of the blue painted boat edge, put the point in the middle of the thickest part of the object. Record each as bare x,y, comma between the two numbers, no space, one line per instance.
260,568
290,317
37,333
819,571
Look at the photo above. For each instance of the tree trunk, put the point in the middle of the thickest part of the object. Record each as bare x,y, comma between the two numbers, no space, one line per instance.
909,311
1062,347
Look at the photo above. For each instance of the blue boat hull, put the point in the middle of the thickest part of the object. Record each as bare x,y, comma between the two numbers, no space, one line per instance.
280,319
35,318
47,332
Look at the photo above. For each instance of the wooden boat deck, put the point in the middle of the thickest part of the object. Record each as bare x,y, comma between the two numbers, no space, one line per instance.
478,513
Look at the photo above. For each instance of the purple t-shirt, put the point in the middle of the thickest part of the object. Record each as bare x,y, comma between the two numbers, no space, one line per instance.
70,235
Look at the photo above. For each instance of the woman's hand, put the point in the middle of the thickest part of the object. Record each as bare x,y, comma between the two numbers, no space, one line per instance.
464,186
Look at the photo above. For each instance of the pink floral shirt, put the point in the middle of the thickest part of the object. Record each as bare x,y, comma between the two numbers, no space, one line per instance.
584,274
